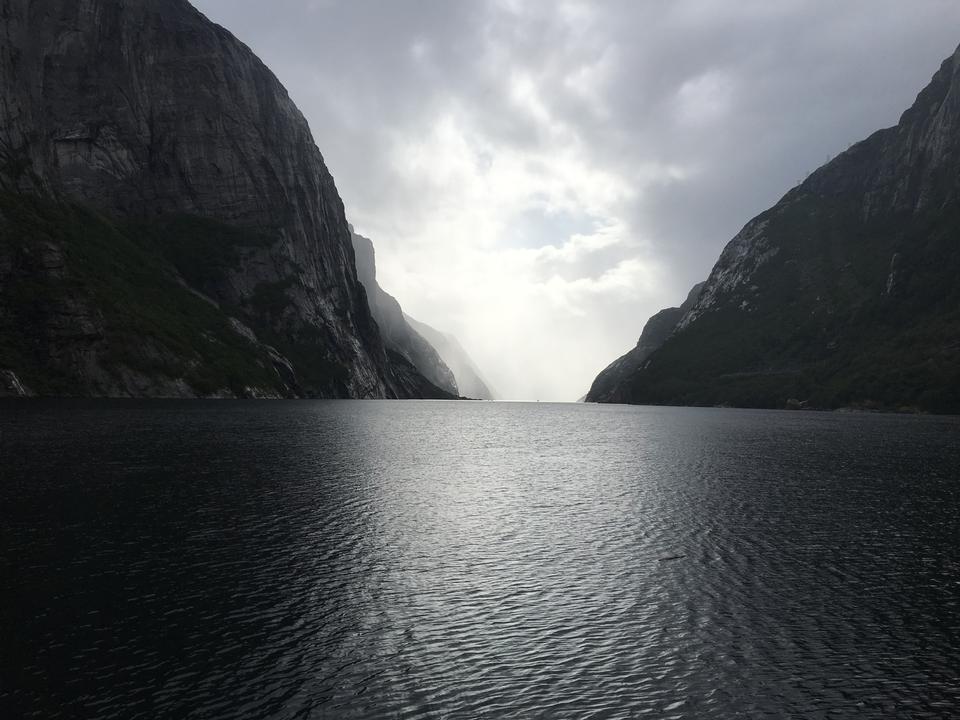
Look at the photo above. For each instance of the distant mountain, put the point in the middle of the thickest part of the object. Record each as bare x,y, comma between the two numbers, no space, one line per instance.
613,383
469,379
845,293
167,225
397,333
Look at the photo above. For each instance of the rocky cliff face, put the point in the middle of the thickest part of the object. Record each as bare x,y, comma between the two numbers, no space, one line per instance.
613,383
468,376
140,124
397,333
845,292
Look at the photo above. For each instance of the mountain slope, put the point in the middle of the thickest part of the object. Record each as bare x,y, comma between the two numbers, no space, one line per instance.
397,333
468,376
612,384
844,293
136,131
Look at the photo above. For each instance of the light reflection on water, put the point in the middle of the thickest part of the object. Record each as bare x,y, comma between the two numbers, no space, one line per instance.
431,559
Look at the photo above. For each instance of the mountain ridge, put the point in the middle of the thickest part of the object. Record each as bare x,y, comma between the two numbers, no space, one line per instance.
469,378
138,132
842,293
608,385
397,333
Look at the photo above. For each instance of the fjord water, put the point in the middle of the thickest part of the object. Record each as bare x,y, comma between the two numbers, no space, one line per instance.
475,560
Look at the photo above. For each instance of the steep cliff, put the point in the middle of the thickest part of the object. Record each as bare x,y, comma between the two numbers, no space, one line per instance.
168,225
845,292
468,376
397,333
613,383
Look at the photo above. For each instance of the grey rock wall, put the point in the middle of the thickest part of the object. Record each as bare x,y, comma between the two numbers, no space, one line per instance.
144,109
397,333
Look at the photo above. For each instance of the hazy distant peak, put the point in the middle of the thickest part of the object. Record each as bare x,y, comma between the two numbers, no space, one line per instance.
470,380
397,333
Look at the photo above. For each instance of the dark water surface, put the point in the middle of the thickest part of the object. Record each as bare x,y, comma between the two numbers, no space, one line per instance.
475,560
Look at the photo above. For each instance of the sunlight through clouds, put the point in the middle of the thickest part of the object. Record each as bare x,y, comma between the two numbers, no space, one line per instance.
477,192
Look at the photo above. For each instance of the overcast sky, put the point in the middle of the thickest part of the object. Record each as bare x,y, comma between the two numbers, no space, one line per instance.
540,177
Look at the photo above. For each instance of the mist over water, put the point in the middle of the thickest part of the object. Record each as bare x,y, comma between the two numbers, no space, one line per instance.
469,560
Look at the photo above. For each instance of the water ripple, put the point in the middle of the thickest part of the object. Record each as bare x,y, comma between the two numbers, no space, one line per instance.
475,560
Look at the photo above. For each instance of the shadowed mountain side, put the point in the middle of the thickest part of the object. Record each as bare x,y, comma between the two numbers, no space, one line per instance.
469,379
397,333
612,383
844,293
168,226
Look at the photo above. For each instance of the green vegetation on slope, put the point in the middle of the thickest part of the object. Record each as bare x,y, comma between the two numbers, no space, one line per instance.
116,283
201,249
821,326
